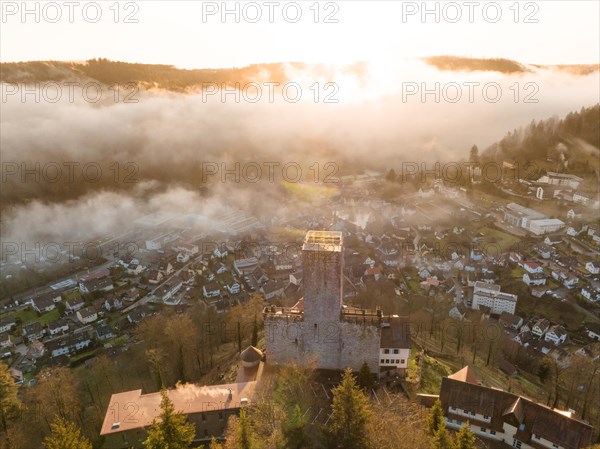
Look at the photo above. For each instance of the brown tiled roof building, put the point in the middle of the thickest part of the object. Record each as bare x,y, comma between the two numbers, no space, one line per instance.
503,416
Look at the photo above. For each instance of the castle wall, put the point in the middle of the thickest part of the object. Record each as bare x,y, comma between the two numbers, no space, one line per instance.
333,345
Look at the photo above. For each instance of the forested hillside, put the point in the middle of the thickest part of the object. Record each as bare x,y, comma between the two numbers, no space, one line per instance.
571,143
146,75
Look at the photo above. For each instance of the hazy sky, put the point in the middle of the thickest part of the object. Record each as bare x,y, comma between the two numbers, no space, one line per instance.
187,35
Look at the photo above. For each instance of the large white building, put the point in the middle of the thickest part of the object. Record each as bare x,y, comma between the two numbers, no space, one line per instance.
490,295
520,216
560,179
545,225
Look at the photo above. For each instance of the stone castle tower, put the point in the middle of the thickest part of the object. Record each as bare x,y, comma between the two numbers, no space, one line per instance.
323,268
319,327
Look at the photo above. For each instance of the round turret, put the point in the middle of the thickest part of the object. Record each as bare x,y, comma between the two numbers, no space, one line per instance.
251,357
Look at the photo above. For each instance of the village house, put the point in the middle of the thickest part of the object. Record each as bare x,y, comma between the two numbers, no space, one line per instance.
187,248
132,294
245,266
567,279
272,289
74,304
259,276
44,303
33,331
104,332
169,289
539,292
593,267
388,254
87,315
103,284
296,277
36,349
591,291
524,337
553,240
593,331
154,276
7,324
68,344
508,320
540,327
165,266
544,250
234,288
556,334
211,290
6,341
458,312
183,257
532,267
583,198
112,302
220,251
137,315
135,269
187,277
283,263
534,278
372,274
59,326
571,281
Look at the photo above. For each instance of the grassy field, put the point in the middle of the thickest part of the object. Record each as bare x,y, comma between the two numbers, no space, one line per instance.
27,315
49,317
433,371
495,236
30,316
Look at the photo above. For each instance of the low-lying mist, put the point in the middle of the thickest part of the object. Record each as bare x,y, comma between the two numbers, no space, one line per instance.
377,117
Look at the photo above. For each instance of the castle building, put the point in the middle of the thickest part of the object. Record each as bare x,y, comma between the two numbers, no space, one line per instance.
130,413
502,416
321,328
